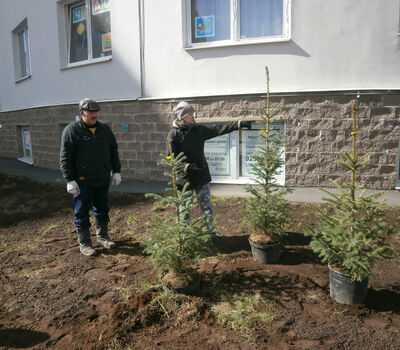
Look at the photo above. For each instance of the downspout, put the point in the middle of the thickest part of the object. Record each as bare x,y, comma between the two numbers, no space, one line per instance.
141,43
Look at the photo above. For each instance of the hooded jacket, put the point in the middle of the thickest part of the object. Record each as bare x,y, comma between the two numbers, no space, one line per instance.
190,139
89,158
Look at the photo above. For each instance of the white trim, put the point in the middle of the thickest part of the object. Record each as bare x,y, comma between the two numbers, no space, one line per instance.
87,62
22,79
228,43
26,160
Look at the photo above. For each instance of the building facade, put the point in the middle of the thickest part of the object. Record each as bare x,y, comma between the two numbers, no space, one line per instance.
139,58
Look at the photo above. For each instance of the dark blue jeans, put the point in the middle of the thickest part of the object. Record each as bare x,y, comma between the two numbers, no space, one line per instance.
88,198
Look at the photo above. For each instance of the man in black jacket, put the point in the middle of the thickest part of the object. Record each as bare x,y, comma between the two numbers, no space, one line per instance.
88,157
189,137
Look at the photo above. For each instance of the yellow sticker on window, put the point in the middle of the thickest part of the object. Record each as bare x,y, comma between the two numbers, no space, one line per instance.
80,29
106,40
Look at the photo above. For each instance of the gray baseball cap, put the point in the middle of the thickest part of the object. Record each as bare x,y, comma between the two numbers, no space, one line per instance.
183,109
89,105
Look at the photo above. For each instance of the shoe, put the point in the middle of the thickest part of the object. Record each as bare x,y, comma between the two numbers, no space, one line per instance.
102,235
85,243
86,249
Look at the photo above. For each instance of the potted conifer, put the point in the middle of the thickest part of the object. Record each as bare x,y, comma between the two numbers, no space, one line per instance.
352,233
266,209
175,244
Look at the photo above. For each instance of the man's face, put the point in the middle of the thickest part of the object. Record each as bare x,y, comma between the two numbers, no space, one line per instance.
189,119
88,117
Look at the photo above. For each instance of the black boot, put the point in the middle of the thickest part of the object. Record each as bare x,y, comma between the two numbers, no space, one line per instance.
85,243
102,235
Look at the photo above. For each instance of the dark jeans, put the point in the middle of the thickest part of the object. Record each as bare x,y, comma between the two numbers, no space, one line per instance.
90,196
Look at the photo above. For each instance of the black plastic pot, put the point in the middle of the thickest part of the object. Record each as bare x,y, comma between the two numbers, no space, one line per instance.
266,253
345,291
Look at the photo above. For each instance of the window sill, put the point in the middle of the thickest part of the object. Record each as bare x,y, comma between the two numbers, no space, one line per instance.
26,160
227,43
86,63
22,79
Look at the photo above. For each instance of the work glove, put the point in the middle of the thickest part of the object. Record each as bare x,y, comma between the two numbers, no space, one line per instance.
73,188
116,179
191,168
245,124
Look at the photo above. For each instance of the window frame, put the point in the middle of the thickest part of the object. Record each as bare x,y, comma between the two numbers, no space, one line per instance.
235,154
65,31
16,32
235,39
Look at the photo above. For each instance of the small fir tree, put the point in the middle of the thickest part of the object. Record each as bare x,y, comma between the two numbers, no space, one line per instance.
267,210
352,233
175,244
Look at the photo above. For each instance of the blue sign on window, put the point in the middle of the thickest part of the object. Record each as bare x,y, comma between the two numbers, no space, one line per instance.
77,14
205,26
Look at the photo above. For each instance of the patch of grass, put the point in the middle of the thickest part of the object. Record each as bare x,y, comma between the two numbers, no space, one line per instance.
49,228
167,300
243,312
132,219
148,284
23,275
126,292
115,344
157,206
3,246
26,246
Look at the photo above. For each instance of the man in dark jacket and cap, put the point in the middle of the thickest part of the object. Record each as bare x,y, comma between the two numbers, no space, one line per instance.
189,137
89,161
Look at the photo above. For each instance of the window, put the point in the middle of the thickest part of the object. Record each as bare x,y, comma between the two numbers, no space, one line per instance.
24,140
227,22
229,156
89,31
20,41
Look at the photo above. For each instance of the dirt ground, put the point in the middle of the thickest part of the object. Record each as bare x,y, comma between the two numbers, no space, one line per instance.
52,297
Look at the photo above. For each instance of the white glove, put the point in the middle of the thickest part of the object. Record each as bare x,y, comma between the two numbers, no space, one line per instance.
73,188
116,179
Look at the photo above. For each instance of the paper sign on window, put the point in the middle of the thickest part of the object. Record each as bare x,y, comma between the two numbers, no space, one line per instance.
27,140
106,42
250,141
216,151
205,26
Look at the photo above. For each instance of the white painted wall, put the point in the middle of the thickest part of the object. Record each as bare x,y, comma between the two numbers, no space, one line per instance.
115,79
335,45
340,44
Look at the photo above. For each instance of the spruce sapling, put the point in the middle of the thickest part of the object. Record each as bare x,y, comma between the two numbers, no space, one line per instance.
175,243
267,210
352,233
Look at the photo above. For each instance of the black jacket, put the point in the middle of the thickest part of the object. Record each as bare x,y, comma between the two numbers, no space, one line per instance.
189,139
88,158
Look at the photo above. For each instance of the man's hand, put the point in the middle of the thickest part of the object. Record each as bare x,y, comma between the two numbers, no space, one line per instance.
245,124
116,179
73,188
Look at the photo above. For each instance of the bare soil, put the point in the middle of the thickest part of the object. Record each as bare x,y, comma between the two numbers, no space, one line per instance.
52,297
